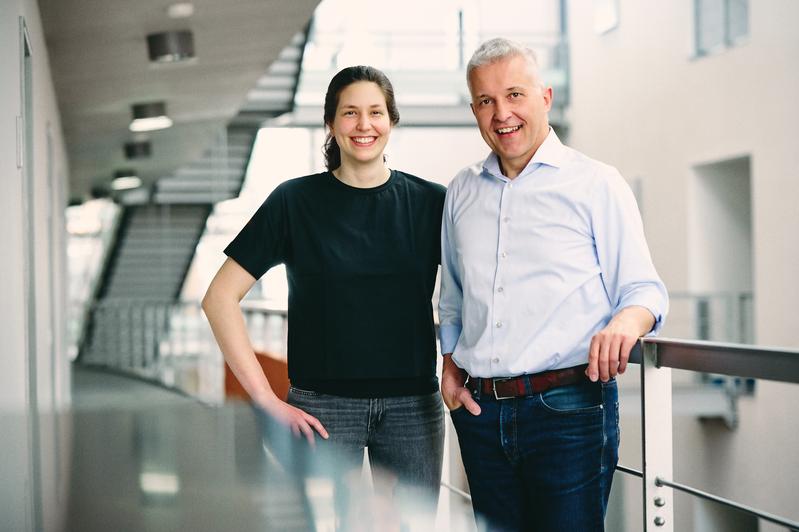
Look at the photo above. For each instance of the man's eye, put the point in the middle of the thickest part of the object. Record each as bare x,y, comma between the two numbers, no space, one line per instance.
515,94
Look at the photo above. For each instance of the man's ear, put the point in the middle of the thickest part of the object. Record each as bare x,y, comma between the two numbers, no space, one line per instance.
547,94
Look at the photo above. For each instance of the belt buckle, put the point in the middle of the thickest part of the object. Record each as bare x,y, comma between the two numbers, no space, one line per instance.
494,388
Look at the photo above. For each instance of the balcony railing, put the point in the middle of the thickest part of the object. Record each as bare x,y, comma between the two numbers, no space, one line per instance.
162,342
171,344
657,358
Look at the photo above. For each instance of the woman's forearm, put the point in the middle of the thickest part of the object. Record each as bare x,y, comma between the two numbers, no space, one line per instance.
230,331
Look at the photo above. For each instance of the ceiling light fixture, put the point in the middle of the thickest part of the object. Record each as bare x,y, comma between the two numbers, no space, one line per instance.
180,10
138,149
125,180
171,46
149,117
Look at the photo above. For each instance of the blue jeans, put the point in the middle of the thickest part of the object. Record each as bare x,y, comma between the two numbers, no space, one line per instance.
543,462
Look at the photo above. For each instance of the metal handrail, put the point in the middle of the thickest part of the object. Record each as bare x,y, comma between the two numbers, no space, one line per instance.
154,340
726,502
739,360
715,498
748,361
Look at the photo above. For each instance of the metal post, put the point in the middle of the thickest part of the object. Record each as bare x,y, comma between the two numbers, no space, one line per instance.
656,436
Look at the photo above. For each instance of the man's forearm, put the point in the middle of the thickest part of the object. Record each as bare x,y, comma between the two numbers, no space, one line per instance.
635,318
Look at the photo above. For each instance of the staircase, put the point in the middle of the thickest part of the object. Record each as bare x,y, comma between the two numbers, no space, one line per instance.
141,280
136,304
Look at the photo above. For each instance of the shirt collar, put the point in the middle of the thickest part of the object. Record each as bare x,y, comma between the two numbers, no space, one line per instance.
551,153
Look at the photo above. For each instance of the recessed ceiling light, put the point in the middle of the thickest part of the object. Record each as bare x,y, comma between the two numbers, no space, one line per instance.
180,10
149,117
155,483
170,46
150,124
126,183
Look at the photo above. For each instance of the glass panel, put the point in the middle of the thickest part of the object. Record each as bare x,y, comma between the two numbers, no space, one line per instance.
709,25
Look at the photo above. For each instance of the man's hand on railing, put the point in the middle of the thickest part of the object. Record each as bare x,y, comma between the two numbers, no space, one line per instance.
452,390
610,347
299,421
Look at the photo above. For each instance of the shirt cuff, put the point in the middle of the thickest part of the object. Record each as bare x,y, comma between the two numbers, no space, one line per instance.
449,335
658,309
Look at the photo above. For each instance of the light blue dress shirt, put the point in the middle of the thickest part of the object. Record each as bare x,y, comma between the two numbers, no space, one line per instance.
533,267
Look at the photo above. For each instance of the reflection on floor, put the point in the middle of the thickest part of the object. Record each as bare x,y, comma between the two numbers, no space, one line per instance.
145,458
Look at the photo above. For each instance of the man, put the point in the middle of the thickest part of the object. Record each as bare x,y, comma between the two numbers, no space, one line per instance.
546,284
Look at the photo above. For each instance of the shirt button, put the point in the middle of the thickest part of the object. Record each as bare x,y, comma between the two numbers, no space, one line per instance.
510,185
504,255
499,324
500,289
495,360
506,219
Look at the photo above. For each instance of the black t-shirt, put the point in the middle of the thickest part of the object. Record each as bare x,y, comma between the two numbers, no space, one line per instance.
361,267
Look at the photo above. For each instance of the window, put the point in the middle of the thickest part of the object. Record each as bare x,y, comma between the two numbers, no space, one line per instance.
720,24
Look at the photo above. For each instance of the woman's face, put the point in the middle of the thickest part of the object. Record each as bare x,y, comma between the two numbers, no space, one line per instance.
361,125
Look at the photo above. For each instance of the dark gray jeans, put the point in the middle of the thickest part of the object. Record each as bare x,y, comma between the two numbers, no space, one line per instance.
404,437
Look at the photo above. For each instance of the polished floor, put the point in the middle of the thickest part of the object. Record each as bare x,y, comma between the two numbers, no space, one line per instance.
144,458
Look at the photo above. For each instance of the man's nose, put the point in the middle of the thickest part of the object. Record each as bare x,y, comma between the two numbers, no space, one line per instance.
501,111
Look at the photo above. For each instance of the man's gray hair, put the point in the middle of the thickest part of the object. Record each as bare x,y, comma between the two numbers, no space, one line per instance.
500,48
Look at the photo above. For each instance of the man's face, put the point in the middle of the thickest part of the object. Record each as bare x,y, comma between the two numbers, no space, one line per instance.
511,109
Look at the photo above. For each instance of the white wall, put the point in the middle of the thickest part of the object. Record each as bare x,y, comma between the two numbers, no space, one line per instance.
641,102
29,443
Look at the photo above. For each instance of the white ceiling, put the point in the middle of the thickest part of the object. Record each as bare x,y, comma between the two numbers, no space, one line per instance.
98,57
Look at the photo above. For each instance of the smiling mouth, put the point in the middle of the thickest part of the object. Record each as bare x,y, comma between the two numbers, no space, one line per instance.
363,141
507,130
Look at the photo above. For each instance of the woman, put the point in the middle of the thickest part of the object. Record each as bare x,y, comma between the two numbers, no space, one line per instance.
361,247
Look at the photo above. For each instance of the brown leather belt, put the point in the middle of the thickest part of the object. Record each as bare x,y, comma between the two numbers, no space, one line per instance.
523,385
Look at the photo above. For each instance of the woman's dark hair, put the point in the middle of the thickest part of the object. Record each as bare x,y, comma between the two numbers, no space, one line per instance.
341,81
